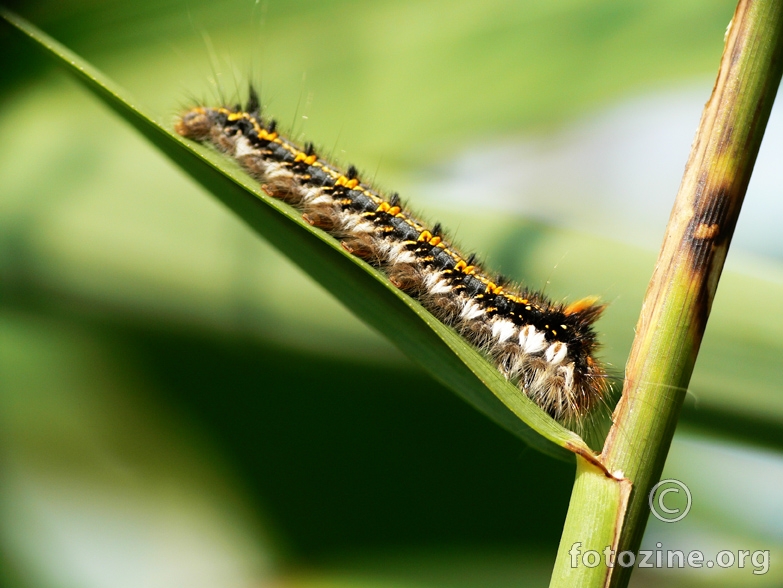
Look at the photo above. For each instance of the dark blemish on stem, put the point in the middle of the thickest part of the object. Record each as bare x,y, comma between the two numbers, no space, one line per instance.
706,229
739,46
725,141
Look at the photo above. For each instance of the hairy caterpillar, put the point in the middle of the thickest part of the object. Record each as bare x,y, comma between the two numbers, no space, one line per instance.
546,348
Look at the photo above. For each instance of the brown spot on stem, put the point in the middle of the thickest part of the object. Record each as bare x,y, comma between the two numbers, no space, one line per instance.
706,231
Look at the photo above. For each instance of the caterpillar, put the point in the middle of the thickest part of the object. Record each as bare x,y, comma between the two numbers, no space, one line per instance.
546,348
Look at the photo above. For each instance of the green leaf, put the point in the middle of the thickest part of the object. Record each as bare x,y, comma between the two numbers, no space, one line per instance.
365,291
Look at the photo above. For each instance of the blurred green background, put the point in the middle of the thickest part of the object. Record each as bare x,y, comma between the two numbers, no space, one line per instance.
181,406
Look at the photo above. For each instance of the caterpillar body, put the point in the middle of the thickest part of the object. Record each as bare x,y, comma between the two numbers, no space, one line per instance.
546,348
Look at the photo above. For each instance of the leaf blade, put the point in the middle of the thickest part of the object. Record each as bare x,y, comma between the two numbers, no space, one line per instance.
364,290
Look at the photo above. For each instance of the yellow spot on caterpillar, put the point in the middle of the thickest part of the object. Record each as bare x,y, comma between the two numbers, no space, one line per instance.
302,156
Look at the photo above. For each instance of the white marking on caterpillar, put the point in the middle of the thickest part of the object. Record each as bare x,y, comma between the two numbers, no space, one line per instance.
471,310
503,329
531,340
556,352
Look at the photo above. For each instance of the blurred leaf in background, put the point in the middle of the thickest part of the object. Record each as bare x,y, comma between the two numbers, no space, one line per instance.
170,415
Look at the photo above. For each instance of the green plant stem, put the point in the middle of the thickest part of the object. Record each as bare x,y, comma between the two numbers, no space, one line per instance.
679,297
594,492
